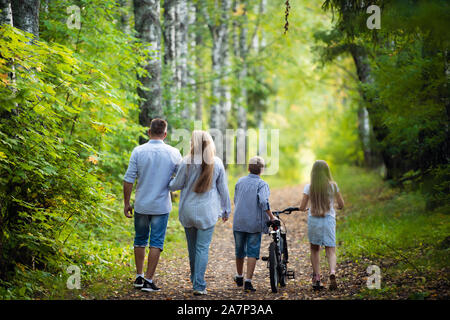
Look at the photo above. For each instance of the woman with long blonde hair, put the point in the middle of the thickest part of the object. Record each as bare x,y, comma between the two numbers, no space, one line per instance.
321,193
204,198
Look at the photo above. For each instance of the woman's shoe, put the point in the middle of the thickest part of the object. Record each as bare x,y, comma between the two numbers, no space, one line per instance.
200,292
316,285
333,284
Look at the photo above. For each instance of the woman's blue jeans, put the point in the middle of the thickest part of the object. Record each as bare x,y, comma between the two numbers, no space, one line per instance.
198,242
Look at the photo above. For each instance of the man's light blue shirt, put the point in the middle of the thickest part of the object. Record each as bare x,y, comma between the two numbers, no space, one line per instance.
153,164
251,200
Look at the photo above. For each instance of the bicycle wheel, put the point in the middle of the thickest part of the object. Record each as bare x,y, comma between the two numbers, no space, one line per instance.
273,268
282,267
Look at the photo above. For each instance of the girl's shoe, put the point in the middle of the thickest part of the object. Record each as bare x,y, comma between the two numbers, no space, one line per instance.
316,285
333,284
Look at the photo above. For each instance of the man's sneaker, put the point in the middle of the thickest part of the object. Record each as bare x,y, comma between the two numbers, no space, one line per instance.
239,281
139,282
200,292
149,286
248,287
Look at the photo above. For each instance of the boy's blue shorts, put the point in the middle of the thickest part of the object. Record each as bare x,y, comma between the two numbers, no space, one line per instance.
247,244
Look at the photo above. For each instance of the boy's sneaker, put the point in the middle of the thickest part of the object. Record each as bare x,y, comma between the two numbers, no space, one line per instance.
149,286
200,292
239,281
248,287
139,282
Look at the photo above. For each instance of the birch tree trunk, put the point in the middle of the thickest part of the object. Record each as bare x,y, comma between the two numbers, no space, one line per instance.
6,12
198,63
240,48
367,132
6,17
125,15
221,99
176,20
192,64
26,15
225,90
169,27
146,16
262,145
243,51
220,62
182,17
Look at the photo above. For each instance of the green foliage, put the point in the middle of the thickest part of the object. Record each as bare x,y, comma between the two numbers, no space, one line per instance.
381,223
407,92
66,104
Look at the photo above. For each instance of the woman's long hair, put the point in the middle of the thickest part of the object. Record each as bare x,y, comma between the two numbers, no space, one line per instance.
320,188
203,151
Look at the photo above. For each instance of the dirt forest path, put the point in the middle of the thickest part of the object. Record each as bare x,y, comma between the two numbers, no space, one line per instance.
172,275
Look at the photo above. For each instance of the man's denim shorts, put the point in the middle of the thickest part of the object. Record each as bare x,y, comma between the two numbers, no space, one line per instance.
142,223
247,244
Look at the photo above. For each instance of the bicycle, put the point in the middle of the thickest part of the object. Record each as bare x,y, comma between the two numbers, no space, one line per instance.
278,252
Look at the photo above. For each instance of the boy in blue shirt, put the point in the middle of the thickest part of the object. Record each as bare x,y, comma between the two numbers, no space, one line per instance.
251,213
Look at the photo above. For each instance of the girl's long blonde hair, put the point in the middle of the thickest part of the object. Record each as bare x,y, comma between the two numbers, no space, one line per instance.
203,151
321,188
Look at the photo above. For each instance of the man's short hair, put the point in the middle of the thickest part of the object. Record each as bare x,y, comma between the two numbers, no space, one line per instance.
158,127
255,165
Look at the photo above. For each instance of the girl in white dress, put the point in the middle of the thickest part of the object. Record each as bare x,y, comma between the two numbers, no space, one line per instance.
322,219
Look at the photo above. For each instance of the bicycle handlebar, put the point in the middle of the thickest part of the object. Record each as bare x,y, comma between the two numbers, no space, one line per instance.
276,223
286,211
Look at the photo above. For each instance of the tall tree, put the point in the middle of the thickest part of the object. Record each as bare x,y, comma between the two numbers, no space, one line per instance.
365,128
169,33
175,31
220,105
370,132
6,12
182,15
194,39
125,13
243,51
26,15
240,50
147,25
262,146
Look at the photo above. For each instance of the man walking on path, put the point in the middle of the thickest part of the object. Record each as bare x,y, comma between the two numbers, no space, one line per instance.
153,164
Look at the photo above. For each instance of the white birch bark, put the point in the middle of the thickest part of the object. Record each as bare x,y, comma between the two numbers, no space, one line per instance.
182,16
125,15
262,145
169,27
191,63
6,12
243,51
26,15
146,15
220,93
198,63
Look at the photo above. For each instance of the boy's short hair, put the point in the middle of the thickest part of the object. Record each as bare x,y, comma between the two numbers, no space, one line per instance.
255,165
158,127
